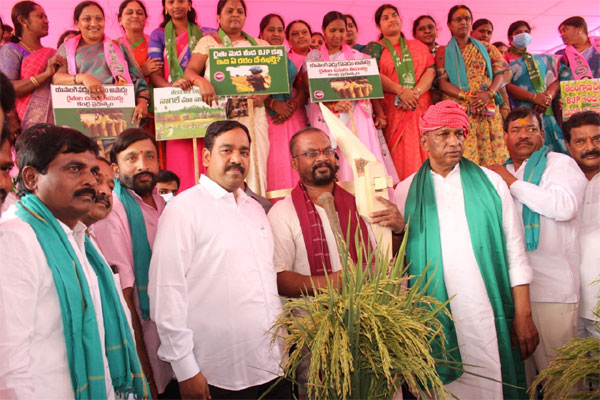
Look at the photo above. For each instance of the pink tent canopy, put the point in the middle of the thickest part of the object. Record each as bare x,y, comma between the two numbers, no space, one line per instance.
544,16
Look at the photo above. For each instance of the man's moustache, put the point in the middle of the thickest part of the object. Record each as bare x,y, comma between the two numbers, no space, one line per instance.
102,198
524,141
594,153
235,166
82,192
150,174
321,165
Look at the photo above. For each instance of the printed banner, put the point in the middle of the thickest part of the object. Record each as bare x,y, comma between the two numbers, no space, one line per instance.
180,114
344,80
73,107
243,71
578,96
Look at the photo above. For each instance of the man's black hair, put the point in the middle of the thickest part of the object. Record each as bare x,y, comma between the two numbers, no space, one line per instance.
580,119
164,176
41,143
126,139
521,112
216,128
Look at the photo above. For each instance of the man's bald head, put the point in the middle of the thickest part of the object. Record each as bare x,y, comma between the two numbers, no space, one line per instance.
301,132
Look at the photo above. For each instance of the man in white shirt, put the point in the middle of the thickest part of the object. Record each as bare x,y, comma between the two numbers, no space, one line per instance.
548,190
582,135
212,287
63,328
304,239
462,222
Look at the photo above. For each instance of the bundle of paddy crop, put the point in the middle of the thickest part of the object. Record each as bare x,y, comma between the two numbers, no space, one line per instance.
366,337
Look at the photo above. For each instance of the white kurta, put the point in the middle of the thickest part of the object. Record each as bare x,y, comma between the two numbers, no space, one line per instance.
213,289
558,199
471,308
589,238
290,250
33,354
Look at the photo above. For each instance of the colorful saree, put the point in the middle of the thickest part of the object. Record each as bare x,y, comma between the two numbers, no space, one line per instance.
402,130
548,69
485,143
18,63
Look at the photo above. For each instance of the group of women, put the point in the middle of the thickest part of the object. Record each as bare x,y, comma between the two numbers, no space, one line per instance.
414,73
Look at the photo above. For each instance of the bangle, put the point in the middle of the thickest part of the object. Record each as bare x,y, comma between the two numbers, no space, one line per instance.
492,93
462,95
34,81
418,90
401,90
532,97
75,79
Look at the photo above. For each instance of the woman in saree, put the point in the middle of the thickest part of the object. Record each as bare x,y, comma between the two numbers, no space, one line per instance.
231,16
356,114
472,73
88,56
286,114
581,51
298,34
29,65
534,82
407,71
132,18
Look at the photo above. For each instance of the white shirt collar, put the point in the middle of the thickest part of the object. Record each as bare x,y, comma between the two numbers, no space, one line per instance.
217,191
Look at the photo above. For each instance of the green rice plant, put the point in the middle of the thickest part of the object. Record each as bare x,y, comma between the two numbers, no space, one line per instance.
574,373
366,337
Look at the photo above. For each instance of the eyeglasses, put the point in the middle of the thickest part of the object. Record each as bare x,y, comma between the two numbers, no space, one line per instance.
328,152
458,20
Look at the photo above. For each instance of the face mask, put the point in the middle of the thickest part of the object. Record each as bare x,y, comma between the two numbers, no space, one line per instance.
167,196
522,40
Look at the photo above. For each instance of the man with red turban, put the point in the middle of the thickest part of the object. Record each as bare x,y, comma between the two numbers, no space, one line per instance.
463,224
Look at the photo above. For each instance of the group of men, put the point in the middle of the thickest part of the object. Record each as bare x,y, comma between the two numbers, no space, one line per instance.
104,291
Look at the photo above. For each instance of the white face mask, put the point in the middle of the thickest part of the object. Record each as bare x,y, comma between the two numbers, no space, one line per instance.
167,196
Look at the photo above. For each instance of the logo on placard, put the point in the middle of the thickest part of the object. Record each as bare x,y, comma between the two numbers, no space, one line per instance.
319,94
219,76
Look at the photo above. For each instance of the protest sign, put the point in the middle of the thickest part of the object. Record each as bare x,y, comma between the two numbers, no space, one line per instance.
244,71
73,107
344,80
578,96
180,114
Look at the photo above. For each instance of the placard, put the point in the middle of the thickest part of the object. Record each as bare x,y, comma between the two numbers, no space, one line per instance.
180,114
73,107
578,96
244,71
344,80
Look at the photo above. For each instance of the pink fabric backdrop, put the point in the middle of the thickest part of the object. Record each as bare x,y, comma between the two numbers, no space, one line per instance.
544,16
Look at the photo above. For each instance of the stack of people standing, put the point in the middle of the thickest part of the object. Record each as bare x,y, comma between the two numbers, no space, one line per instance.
107,291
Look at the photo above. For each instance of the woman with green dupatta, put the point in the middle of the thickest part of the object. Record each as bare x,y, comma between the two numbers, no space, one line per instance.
173,43
535,82
471,73
231,16
407,71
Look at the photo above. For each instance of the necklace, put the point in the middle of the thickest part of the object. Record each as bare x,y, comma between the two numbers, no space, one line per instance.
26,47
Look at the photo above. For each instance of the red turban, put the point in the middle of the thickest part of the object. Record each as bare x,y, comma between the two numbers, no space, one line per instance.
445,113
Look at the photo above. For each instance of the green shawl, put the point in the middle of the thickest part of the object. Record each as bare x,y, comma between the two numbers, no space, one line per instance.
534,169
533,68
404,67
194,34
140,246
483,208
226,41
82,339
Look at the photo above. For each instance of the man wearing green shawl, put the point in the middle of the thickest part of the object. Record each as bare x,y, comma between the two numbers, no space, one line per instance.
64,333
126,237
548,190
463,224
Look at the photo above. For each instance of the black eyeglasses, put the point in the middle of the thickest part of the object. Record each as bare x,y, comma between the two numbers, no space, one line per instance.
328,152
